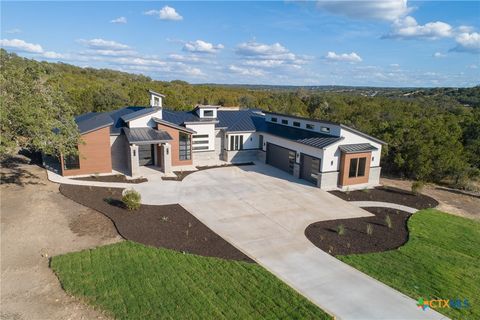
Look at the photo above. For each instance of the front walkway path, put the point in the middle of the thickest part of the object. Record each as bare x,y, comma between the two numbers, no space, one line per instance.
380,204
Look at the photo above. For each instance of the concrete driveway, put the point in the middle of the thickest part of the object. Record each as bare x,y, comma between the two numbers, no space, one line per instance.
264,212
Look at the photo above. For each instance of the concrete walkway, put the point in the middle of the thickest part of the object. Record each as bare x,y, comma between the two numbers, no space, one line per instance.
54,177
366,204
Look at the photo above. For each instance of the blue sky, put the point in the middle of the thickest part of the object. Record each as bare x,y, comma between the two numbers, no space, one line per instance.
361,43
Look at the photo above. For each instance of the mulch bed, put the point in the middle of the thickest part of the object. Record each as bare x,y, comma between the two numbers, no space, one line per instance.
180,175
167,226
389,194
113,178
355,240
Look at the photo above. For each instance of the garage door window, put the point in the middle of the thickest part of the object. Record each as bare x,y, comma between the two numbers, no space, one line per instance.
357,167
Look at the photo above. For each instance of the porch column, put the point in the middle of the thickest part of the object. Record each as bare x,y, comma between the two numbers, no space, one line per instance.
167,158
134,165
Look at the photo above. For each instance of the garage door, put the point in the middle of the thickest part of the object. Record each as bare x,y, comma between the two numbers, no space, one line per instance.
145,154
309,168
280,157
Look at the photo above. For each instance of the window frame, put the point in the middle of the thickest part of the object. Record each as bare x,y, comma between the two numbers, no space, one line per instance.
357,167
274,119
184,146
309,126
296,124
285,121
71,165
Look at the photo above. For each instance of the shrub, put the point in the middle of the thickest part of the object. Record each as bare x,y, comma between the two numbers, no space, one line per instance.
369,229
341,230
417,187
388,221
366,190
131,199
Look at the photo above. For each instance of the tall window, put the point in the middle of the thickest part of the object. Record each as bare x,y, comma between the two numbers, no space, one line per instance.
236,142
357,167
184,147
71,162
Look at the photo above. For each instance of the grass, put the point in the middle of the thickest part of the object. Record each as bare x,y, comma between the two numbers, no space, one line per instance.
440,260
133,281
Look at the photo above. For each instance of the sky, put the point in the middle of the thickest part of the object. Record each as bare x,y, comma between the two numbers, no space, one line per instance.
395,43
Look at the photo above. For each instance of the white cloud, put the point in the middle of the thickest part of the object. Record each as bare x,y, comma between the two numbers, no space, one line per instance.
20,45
166,13
468,42
394,65
269,55
119,20
408,28
370,9
101,44
52,55
439,55
473,66
253,48
344,57
252,72
200,46
13,31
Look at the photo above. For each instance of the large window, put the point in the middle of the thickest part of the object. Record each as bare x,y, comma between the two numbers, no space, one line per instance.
200,142
71,162
208,113
357,167
184,147
236,142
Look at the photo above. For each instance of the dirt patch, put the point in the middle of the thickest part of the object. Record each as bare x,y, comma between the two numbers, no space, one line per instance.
37,222
357,239
167,226
180,175
458,204
113,178
389,194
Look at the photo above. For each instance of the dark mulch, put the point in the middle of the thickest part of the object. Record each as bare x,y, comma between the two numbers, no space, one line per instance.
168,226
180,175
113,178
389,194
324,234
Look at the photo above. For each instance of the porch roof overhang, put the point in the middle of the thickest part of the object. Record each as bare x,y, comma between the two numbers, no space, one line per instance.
146,135
357,148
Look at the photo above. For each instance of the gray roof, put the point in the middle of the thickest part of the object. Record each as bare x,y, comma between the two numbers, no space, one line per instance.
139,113
93,121
357,148
309,138
146,135
172,125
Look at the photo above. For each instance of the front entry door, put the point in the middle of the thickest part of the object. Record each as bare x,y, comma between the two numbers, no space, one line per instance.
145,154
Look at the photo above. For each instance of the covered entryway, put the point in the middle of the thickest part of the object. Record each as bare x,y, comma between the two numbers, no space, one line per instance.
309,168
146,154
280,157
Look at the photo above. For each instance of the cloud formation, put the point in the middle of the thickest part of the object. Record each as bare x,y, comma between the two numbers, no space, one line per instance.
13,31
343,57
408,28
389,10
119,20
166,13
250,72
102,44
468,42
20,45
200,46
268,55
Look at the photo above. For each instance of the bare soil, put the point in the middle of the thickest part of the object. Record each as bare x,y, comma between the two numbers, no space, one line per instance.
449,201
166,226
325,234
37,222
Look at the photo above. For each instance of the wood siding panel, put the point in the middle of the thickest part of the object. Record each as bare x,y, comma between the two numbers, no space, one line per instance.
344,180
174,133
94,154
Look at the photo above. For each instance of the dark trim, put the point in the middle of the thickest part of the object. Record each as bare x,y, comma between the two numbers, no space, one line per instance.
300,118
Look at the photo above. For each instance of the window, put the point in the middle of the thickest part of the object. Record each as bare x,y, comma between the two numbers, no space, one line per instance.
296,124
274,119
184,146
309,126
71,162
357,167
200,147
200,141
284,121
325,129
236,142
156,101
208,113
260,141
195,136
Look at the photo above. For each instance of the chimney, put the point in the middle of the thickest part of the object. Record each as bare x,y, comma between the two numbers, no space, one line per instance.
156,99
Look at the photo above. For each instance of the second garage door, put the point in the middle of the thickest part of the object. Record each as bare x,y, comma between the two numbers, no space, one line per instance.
280,157
309,168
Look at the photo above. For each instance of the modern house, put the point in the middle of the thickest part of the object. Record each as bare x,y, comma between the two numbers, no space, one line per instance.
329,155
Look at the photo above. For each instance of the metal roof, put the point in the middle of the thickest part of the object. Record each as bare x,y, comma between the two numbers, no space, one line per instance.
139,113
172,125
357,148
93,121
146,135
309,138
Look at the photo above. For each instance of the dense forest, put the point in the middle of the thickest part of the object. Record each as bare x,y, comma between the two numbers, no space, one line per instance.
432,134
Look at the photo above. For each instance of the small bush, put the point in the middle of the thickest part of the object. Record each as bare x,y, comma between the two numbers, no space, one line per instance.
388,221
417,187
366,190
131,199
369,229
341,230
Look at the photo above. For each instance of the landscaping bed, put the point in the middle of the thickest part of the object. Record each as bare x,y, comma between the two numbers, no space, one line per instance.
389,194
355,238
180,175
132,281
113,178
167,226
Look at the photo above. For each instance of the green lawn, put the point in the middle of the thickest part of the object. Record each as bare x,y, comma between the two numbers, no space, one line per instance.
133,281
440,260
